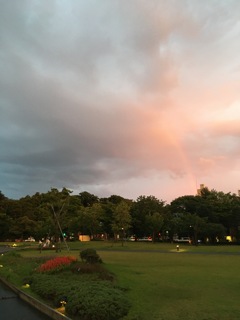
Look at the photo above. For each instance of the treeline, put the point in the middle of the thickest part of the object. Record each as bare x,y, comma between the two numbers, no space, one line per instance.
209,217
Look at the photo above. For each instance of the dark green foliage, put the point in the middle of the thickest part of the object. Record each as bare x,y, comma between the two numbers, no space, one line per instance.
91,268
91,300
14,254
88,199
90,256
53,288
98,301
27,279
37,216
47,286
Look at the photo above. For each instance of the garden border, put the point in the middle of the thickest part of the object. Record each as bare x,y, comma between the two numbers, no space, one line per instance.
53,314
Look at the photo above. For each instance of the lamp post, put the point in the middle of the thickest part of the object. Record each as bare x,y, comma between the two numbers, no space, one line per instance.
191,234
167,237
122,235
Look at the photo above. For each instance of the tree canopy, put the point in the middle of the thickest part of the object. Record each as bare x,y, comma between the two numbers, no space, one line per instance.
209,216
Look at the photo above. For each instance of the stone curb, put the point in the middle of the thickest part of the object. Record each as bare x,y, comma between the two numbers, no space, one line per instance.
53,314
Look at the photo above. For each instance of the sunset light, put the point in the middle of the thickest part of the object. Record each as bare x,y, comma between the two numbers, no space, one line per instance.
121,97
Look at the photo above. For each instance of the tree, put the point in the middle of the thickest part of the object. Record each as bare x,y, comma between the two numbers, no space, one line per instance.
23,227
186,204
143,207
2,196
94,217
121,219
88,199
5,226
193,225
155,223
57,203
115,199
224,209
72,214
186,210
210,214
214,232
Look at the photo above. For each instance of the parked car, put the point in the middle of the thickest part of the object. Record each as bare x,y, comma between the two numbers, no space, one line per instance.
132,238
30,239
182,240
145,239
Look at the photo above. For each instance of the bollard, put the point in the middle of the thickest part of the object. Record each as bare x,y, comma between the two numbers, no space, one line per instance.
177,247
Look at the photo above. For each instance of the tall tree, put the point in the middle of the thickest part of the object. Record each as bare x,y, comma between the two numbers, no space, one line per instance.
144,206
155,223
94,216
121,219
57,203
88,199
5,225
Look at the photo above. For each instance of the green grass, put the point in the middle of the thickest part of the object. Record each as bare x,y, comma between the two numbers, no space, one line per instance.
200,283
178,286
110,245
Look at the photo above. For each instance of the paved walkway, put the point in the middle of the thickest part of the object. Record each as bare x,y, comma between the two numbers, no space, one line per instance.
13,308
4,249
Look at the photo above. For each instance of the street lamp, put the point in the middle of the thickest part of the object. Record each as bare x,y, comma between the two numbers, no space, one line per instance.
122,235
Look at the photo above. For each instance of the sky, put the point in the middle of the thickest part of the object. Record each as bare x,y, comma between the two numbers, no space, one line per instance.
119,97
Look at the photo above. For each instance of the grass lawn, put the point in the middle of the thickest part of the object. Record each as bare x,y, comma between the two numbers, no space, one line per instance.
200,283
178,286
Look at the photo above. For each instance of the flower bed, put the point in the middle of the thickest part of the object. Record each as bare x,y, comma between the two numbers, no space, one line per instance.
56,264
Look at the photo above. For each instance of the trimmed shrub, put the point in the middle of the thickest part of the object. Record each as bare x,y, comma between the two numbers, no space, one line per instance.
98,301
86,300
93,268
90,256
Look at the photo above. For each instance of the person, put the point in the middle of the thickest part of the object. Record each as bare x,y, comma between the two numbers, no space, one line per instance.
40,245
58,245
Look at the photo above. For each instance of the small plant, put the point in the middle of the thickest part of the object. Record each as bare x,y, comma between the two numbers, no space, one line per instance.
90,256
56,264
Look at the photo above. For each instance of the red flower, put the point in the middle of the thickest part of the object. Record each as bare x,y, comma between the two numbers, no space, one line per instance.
55,264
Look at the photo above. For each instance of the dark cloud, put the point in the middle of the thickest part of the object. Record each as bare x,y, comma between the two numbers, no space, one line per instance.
113,96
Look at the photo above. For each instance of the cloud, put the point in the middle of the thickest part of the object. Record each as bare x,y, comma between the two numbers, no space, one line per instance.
126,96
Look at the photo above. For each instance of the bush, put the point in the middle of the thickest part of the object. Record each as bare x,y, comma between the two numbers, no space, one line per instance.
86,300
98,301
47,287
90,256
94,268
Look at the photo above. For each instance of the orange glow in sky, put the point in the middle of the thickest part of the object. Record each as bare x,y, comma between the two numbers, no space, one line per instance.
123,97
